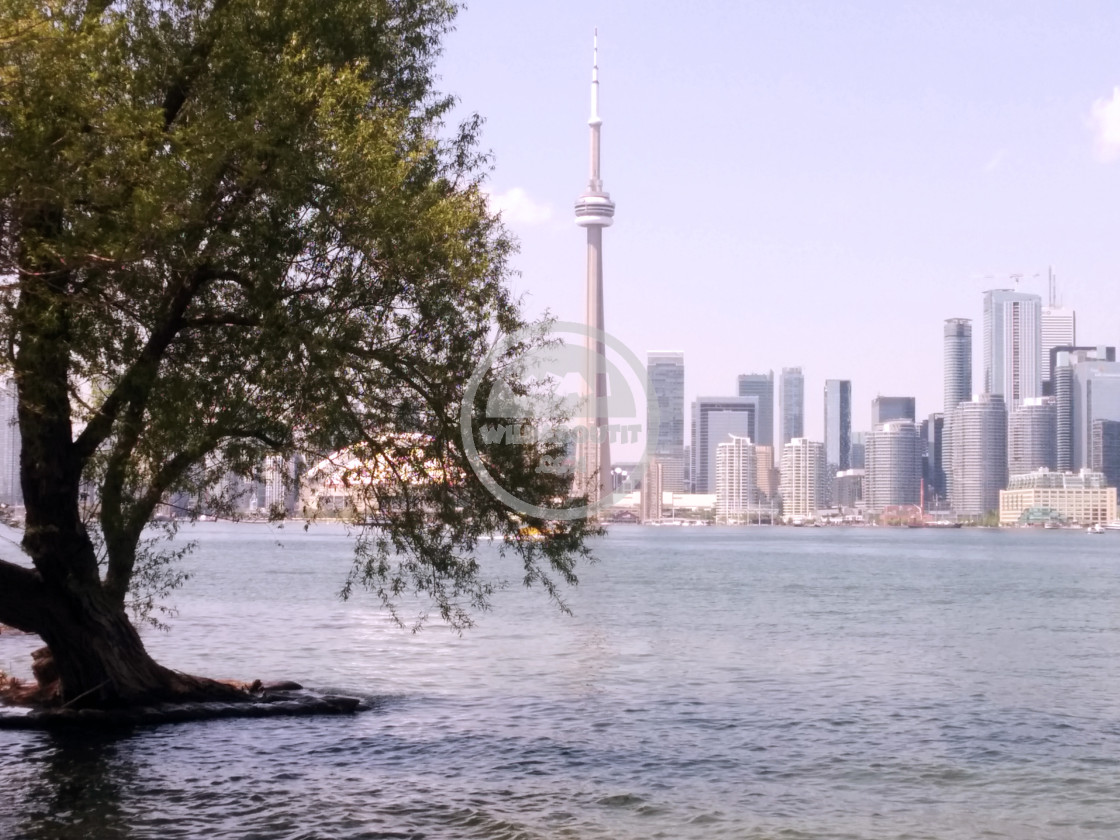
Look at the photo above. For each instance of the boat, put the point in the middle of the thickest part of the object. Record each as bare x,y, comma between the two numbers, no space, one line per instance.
1095,528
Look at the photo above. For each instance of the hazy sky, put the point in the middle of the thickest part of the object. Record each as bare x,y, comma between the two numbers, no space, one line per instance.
806,183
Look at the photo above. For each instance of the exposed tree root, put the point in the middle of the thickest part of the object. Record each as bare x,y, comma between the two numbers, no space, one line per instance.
28,705
183,697
46,691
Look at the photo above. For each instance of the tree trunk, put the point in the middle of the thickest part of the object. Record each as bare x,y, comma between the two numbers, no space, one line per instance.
96,656
97,660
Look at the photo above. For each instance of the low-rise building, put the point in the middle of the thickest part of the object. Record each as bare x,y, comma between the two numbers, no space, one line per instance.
1083,498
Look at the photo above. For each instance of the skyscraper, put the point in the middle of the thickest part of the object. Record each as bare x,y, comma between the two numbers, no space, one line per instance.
1064,359
595,211
761,385
934,465
957,387
859,450
1096,396
1105,450
1059,329
958,362
1032,436
885,409
838,423
665,391
713,419
979,454
894,466
792,396
1012,345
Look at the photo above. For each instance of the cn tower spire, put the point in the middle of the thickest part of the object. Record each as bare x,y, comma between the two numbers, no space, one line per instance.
595,211
595,121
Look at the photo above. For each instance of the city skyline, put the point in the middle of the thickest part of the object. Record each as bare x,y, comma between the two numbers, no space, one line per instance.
862,162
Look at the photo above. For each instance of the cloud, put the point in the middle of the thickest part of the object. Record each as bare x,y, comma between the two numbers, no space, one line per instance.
1105,120
517,208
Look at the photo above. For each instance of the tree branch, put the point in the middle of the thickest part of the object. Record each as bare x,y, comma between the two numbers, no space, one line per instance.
136,384
121,545
223,319
122,530
181,88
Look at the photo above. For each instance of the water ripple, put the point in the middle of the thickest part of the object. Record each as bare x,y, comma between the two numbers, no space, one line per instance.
756,683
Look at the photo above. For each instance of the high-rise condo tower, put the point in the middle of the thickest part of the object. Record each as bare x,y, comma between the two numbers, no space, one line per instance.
1012,345
595,211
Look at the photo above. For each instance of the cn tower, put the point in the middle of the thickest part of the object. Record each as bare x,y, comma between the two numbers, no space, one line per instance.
595,211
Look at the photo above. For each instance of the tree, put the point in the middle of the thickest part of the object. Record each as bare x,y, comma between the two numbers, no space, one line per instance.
232,228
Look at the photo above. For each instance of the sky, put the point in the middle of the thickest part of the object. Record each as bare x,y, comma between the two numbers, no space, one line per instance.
808,184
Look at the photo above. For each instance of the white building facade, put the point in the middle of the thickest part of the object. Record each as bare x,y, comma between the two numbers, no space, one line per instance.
1082,498
736,479
803,478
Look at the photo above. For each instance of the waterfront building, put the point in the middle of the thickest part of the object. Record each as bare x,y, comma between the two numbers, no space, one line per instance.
1095,396
792,396
1012,345
837,430
736,479
1032,436
594,211
1059,329
803,484
713,419
1082,498
893,476
885,409
979,431
665,395
1105,451
11,492
761,385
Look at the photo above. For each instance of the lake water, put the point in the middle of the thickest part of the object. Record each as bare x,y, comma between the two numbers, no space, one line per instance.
739,683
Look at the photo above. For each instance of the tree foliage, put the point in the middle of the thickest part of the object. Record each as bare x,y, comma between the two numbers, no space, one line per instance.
234,228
